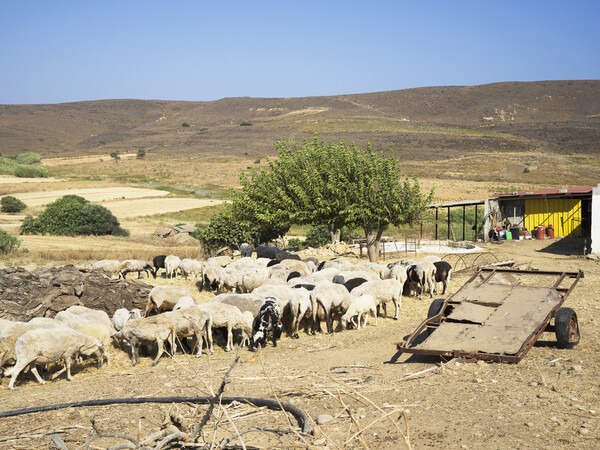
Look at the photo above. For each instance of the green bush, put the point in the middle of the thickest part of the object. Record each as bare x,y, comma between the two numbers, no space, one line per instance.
185,124
28,158
73,215
24,171
319,235
10,204
141,153
245,124
8,243
526,170
296,243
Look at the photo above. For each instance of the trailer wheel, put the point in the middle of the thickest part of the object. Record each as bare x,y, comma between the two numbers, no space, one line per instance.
434,310
566,328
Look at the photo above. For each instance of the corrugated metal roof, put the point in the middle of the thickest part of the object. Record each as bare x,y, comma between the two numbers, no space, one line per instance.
463,203
554,192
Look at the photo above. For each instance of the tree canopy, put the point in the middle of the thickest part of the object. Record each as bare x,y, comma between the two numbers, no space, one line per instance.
334,185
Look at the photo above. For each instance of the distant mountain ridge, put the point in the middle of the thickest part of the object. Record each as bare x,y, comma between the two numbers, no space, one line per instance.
423,123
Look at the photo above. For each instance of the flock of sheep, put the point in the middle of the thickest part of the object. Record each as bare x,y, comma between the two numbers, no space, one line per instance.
255,297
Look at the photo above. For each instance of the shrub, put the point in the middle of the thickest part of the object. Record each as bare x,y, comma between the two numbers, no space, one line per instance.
115,155
296,243
8,243
24,171
73,215
245,124
526,170
185,125
10,204
141,153
319,235
28,158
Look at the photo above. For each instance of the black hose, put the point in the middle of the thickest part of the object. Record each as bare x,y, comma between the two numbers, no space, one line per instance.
300,415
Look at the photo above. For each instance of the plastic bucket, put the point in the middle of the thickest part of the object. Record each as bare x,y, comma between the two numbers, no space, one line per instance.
508,236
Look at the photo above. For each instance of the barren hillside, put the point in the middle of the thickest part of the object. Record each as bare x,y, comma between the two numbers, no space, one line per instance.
560,117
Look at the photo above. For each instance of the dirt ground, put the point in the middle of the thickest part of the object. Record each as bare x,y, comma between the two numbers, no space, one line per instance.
549,399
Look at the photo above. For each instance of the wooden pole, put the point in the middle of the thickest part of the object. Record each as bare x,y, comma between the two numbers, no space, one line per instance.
464,220
448,223
436,224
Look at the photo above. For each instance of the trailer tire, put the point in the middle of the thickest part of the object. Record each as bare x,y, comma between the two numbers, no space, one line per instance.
434,310
566,328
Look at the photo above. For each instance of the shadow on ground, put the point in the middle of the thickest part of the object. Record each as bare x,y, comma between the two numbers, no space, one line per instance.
568,247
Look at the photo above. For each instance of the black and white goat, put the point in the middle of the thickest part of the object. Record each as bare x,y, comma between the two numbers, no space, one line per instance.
269,318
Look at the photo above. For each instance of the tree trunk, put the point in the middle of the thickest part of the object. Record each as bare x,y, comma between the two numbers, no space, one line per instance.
334,233
372,245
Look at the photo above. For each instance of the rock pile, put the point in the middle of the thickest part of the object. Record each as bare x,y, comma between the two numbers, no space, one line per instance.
47,290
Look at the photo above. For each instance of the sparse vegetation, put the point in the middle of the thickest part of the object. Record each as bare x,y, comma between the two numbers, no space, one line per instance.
24,171
115,155
246,124
141,153
10,204
526,170
73,215
185,125
8,243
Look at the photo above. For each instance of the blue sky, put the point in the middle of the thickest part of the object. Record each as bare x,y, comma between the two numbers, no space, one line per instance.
62,51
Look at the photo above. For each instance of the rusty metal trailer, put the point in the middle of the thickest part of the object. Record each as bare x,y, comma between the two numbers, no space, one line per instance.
498,318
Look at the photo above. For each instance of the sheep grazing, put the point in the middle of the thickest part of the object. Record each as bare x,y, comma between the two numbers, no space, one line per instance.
190,267
157,329
383,291
219,261
172,263
88,315
136,265
269,318
283,255
442,274
243,263
164,298
365,304
354,282
253,278
159,263
44,346
210,277
330,296
244,302
422,275
246,250
230,280
264,251
123,315
184,302
111,266
229,316
202,321
300,308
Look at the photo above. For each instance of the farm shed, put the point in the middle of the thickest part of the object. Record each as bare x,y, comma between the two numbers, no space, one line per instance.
568,210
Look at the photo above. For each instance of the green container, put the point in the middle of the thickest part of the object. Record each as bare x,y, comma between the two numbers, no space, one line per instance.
508,236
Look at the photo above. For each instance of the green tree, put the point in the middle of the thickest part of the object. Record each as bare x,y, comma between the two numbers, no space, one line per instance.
115,155
141,153
8,243
72,215
334,185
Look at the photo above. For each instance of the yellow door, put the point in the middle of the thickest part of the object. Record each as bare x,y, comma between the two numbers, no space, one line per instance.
563,214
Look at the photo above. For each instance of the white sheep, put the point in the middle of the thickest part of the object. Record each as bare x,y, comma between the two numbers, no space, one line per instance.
228,316
210,277
230,279
242,263
244,302
159,328
122,315
383,291
88,314
111,266
184,302
330,296
422,274
364,304
253,278
190,267
44,346
202,320
172,263
338,263
219,261
136,265
300,307
163,298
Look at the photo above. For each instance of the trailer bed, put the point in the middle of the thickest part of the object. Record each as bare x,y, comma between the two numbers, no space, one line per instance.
493,321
